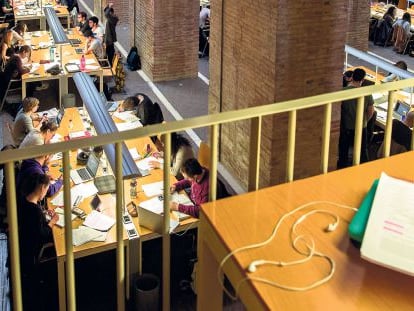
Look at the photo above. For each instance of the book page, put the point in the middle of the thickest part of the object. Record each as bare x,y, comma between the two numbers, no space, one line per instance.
389,236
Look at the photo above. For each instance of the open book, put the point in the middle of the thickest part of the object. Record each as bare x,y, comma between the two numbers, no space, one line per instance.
389,236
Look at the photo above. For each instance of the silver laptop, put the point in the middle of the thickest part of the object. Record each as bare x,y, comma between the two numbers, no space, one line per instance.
85,173
153,221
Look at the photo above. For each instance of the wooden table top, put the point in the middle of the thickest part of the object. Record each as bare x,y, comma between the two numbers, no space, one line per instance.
356,284
36,12
108,200
38,39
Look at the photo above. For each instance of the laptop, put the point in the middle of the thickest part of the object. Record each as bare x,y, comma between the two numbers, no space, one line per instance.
400,110
85,173
111,106
153,221
58,118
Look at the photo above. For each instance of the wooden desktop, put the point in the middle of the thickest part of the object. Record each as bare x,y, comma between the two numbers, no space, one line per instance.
108,202
357,284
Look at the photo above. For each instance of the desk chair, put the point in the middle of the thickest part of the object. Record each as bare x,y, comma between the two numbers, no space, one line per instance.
400,39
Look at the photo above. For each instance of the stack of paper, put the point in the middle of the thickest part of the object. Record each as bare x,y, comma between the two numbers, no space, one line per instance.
389,236
128,125
84,234
144,164
126,116
155,205
99,221
84,190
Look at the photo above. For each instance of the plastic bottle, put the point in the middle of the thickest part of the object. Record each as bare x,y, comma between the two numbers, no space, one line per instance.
133,189
52,54
82,63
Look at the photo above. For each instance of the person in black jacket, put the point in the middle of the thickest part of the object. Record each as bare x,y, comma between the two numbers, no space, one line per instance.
110,31
34,232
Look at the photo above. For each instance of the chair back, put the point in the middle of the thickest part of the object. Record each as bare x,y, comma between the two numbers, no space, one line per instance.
115,62
400,38
204,155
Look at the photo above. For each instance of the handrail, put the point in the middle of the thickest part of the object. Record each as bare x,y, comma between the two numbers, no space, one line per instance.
213,121
203,121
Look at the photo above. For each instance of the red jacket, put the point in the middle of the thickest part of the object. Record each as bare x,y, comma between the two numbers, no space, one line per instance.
198,194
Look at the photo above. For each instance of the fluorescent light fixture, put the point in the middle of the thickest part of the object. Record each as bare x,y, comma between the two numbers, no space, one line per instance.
56,28
103,123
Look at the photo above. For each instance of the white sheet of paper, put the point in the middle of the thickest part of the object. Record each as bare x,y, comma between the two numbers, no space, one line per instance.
99,221
134,153
84,234
128,125
144,163
156,188
154,205
126,116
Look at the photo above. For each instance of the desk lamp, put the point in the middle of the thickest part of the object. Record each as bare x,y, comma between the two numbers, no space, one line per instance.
103,123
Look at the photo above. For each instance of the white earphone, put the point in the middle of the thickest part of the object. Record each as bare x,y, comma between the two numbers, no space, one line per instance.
295,238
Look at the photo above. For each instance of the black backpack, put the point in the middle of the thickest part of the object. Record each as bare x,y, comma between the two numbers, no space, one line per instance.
133,59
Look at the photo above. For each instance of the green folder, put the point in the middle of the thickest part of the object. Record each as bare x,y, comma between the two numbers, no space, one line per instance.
359,222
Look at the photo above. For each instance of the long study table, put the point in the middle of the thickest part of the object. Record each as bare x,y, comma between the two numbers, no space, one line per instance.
357,284
41,44
133,264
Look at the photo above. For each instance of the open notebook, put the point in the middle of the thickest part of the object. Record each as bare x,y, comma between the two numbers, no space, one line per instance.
389,236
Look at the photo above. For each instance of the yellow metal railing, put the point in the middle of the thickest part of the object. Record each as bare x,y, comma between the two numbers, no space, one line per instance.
255,114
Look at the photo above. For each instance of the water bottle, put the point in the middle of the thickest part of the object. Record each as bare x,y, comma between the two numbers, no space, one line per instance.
133,188
82,63
52,54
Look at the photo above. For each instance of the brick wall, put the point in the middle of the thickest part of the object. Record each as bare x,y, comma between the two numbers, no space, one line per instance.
275,51
358,24
122,9
166,34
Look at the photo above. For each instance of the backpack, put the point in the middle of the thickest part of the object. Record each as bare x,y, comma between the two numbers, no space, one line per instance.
133,59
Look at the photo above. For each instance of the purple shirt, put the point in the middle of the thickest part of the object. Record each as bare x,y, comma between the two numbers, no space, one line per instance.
30,167
198,194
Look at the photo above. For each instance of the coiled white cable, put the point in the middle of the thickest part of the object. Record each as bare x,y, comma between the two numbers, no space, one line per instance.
294,240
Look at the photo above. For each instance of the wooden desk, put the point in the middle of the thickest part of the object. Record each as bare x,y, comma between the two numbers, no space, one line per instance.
245,219
36,13
69,55
109,208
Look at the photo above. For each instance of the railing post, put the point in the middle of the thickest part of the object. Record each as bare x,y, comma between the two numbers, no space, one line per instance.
358,130
14,237
166,242
70,265
254,157
290,158
326,137
213,162
388,125
120,255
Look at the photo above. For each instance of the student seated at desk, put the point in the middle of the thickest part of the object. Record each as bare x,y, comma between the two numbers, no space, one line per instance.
93,44
83,23
40,137
18,33
27,120
181,151
196,177
36,166
6,47
401,136
147,111
34,232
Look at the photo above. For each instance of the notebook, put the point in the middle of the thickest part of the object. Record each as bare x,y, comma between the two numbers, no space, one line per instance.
85,173
389,236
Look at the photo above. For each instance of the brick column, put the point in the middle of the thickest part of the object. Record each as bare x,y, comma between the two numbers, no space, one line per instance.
358,24
269,51
166,34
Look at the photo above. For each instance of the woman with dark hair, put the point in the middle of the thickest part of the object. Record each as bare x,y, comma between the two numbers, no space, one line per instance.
196,177
34,232
389,15
181,151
